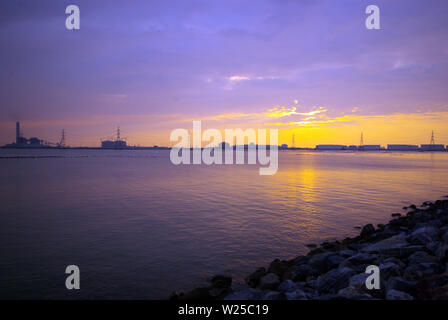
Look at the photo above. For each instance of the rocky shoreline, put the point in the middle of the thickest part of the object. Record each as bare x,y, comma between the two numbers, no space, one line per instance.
411,252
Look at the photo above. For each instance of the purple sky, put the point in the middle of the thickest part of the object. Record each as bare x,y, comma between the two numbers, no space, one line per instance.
167,61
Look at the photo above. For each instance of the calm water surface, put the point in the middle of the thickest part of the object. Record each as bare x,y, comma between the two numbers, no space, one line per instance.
139,227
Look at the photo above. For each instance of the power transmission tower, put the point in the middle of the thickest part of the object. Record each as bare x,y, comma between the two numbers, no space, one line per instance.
118,133
361,143
433,140
62,142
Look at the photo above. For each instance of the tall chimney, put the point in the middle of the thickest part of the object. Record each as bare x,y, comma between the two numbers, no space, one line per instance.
17,132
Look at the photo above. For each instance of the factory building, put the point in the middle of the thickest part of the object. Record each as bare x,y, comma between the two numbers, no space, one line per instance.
24,142
117,143
330,147
432,147
370,147
402,147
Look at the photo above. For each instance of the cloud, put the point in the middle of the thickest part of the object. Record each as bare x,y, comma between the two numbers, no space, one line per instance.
280,112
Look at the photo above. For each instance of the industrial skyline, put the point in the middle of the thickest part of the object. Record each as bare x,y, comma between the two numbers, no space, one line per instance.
117,142
309,68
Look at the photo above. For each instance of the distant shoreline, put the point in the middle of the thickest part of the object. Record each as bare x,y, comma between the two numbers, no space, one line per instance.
234,148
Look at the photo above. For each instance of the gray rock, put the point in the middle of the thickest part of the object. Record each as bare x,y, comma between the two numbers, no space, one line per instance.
358,282
296,295
254,278
389,269
359,261
442,252
347,253
398,295
432,246
353,293
269,282
431,223
444,233
278,267
273,295
422,263
319,261
413,273
245,294
301,272
423,235
311,283
421,257
333,261
289,285
398,241
367,230
393,246
431,268
363,259
334,280
400,284
397,261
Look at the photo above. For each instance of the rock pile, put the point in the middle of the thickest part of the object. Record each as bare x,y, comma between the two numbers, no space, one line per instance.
411,252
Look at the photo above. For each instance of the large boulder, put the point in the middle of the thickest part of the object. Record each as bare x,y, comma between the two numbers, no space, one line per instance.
400,284
421,257
334,280
423,235
442,252
297,294
299,272
278,267
273,295
389,269
221,286
325,261
318,261
358,282
289,285
398,295
353,293
393,246
269,281
254,278
367,230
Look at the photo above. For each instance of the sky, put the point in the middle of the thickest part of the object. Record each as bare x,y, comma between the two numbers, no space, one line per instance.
309,68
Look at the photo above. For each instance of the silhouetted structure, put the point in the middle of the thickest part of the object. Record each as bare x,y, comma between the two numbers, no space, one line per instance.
22,142
432,146
118,143
330,147
370,147
402,147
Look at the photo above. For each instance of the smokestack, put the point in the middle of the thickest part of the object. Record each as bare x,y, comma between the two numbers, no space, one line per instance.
17,132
